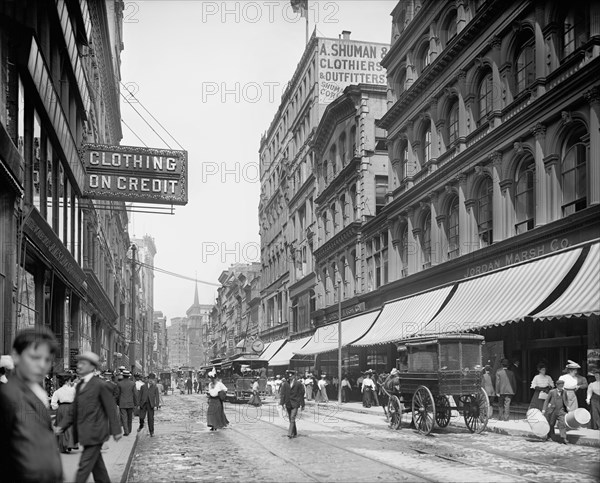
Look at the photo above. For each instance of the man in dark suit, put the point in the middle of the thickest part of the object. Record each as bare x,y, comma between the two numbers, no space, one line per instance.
148,402
291,398
28,449
93,417
127,401
555,409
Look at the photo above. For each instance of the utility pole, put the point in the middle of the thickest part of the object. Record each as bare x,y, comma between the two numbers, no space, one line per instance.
340,342
132,342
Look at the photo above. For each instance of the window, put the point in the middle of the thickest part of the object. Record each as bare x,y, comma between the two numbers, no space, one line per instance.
381,186
332,157
334,217
353,204
574,173
452,230
343,210
525,61
450,28
342,273
325,223
484,212
426,248
353,272
400,82
352,141
404,250
426,145
485,97
377,260
325,171
575,31
423,57
342,148
525,196
453,123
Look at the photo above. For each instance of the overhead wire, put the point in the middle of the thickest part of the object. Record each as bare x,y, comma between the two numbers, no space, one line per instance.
174,274
157,121
134,133
144,119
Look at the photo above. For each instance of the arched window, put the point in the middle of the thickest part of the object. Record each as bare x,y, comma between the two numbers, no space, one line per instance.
450,28
574,172
333,274
353,204
404,159
485,97
452,229
423,57
525,196
334,218
344,210
453,122
485,212
426,248
325,171
404,250
426,144
342,271
342,148
525,60
400,82
326,227
575,30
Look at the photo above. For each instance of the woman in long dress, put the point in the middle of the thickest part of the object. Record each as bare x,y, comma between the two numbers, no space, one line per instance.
573,382
217,393
368,386
308,387
255,398
322,393
541,384
62,402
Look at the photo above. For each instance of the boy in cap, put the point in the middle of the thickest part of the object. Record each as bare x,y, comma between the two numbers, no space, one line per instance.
28,449
555,408
95,417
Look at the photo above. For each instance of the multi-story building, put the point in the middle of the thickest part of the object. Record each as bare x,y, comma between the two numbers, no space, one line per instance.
494,172
146,250
198,316
178,343
160,353
234,317
61,256
286,209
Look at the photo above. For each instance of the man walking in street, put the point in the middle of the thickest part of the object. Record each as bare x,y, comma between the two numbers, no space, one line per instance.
555,409
292,398
127,401
94,418
148,401
188,385
505,388
28,449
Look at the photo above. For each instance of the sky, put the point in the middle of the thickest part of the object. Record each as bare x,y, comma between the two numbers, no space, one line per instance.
212,73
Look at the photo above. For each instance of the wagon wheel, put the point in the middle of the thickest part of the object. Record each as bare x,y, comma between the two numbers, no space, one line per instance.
395,413
475,410
423,410
443,411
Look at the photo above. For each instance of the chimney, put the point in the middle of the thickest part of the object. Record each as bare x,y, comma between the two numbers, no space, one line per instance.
346,34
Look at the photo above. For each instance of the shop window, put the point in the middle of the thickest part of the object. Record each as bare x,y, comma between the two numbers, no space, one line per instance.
26,311
426,144
485,97
452,230
574,172
525,196
426,247
485,212
525,61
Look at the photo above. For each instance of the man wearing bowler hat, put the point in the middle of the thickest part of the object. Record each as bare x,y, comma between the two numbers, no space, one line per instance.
94,418
127,400
148,401
292,398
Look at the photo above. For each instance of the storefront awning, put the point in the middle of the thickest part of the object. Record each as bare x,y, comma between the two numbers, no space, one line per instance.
325,338
582,296
282,358
403,318
272,349
241,344
502,296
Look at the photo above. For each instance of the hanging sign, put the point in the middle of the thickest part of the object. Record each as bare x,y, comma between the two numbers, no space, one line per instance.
134,174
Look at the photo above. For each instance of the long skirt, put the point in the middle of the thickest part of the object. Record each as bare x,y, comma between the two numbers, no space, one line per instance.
66,440
536,401
308,389
321,396
255,399
595,411
367,397
215,414
571,400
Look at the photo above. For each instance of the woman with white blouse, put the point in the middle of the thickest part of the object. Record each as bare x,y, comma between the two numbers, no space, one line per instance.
368,387
62,403
542,383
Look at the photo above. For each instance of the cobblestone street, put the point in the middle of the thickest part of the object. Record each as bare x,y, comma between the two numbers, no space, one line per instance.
358,447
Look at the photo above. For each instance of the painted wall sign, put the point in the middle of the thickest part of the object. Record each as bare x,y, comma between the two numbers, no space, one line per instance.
134,174
345,62
346,312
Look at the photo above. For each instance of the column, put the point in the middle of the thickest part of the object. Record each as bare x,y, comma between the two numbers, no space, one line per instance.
498,206
593,97
553,190
462,111
540,179
394,258
413,244
436,249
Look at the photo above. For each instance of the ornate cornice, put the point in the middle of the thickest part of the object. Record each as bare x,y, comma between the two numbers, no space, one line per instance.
337,241
341,179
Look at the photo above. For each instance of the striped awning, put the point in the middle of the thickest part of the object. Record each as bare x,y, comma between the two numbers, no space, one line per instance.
272,349
282,358
502,296
582,296
325,338
403,318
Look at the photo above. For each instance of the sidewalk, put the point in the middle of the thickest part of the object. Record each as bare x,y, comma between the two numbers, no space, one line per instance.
117,459
516,427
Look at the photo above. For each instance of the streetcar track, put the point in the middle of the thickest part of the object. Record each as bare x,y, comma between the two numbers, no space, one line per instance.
499,454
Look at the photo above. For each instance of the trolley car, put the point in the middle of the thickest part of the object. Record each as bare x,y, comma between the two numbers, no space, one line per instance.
438,367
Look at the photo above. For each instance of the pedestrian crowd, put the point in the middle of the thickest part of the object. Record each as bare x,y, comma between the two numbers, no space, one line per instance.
89,406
